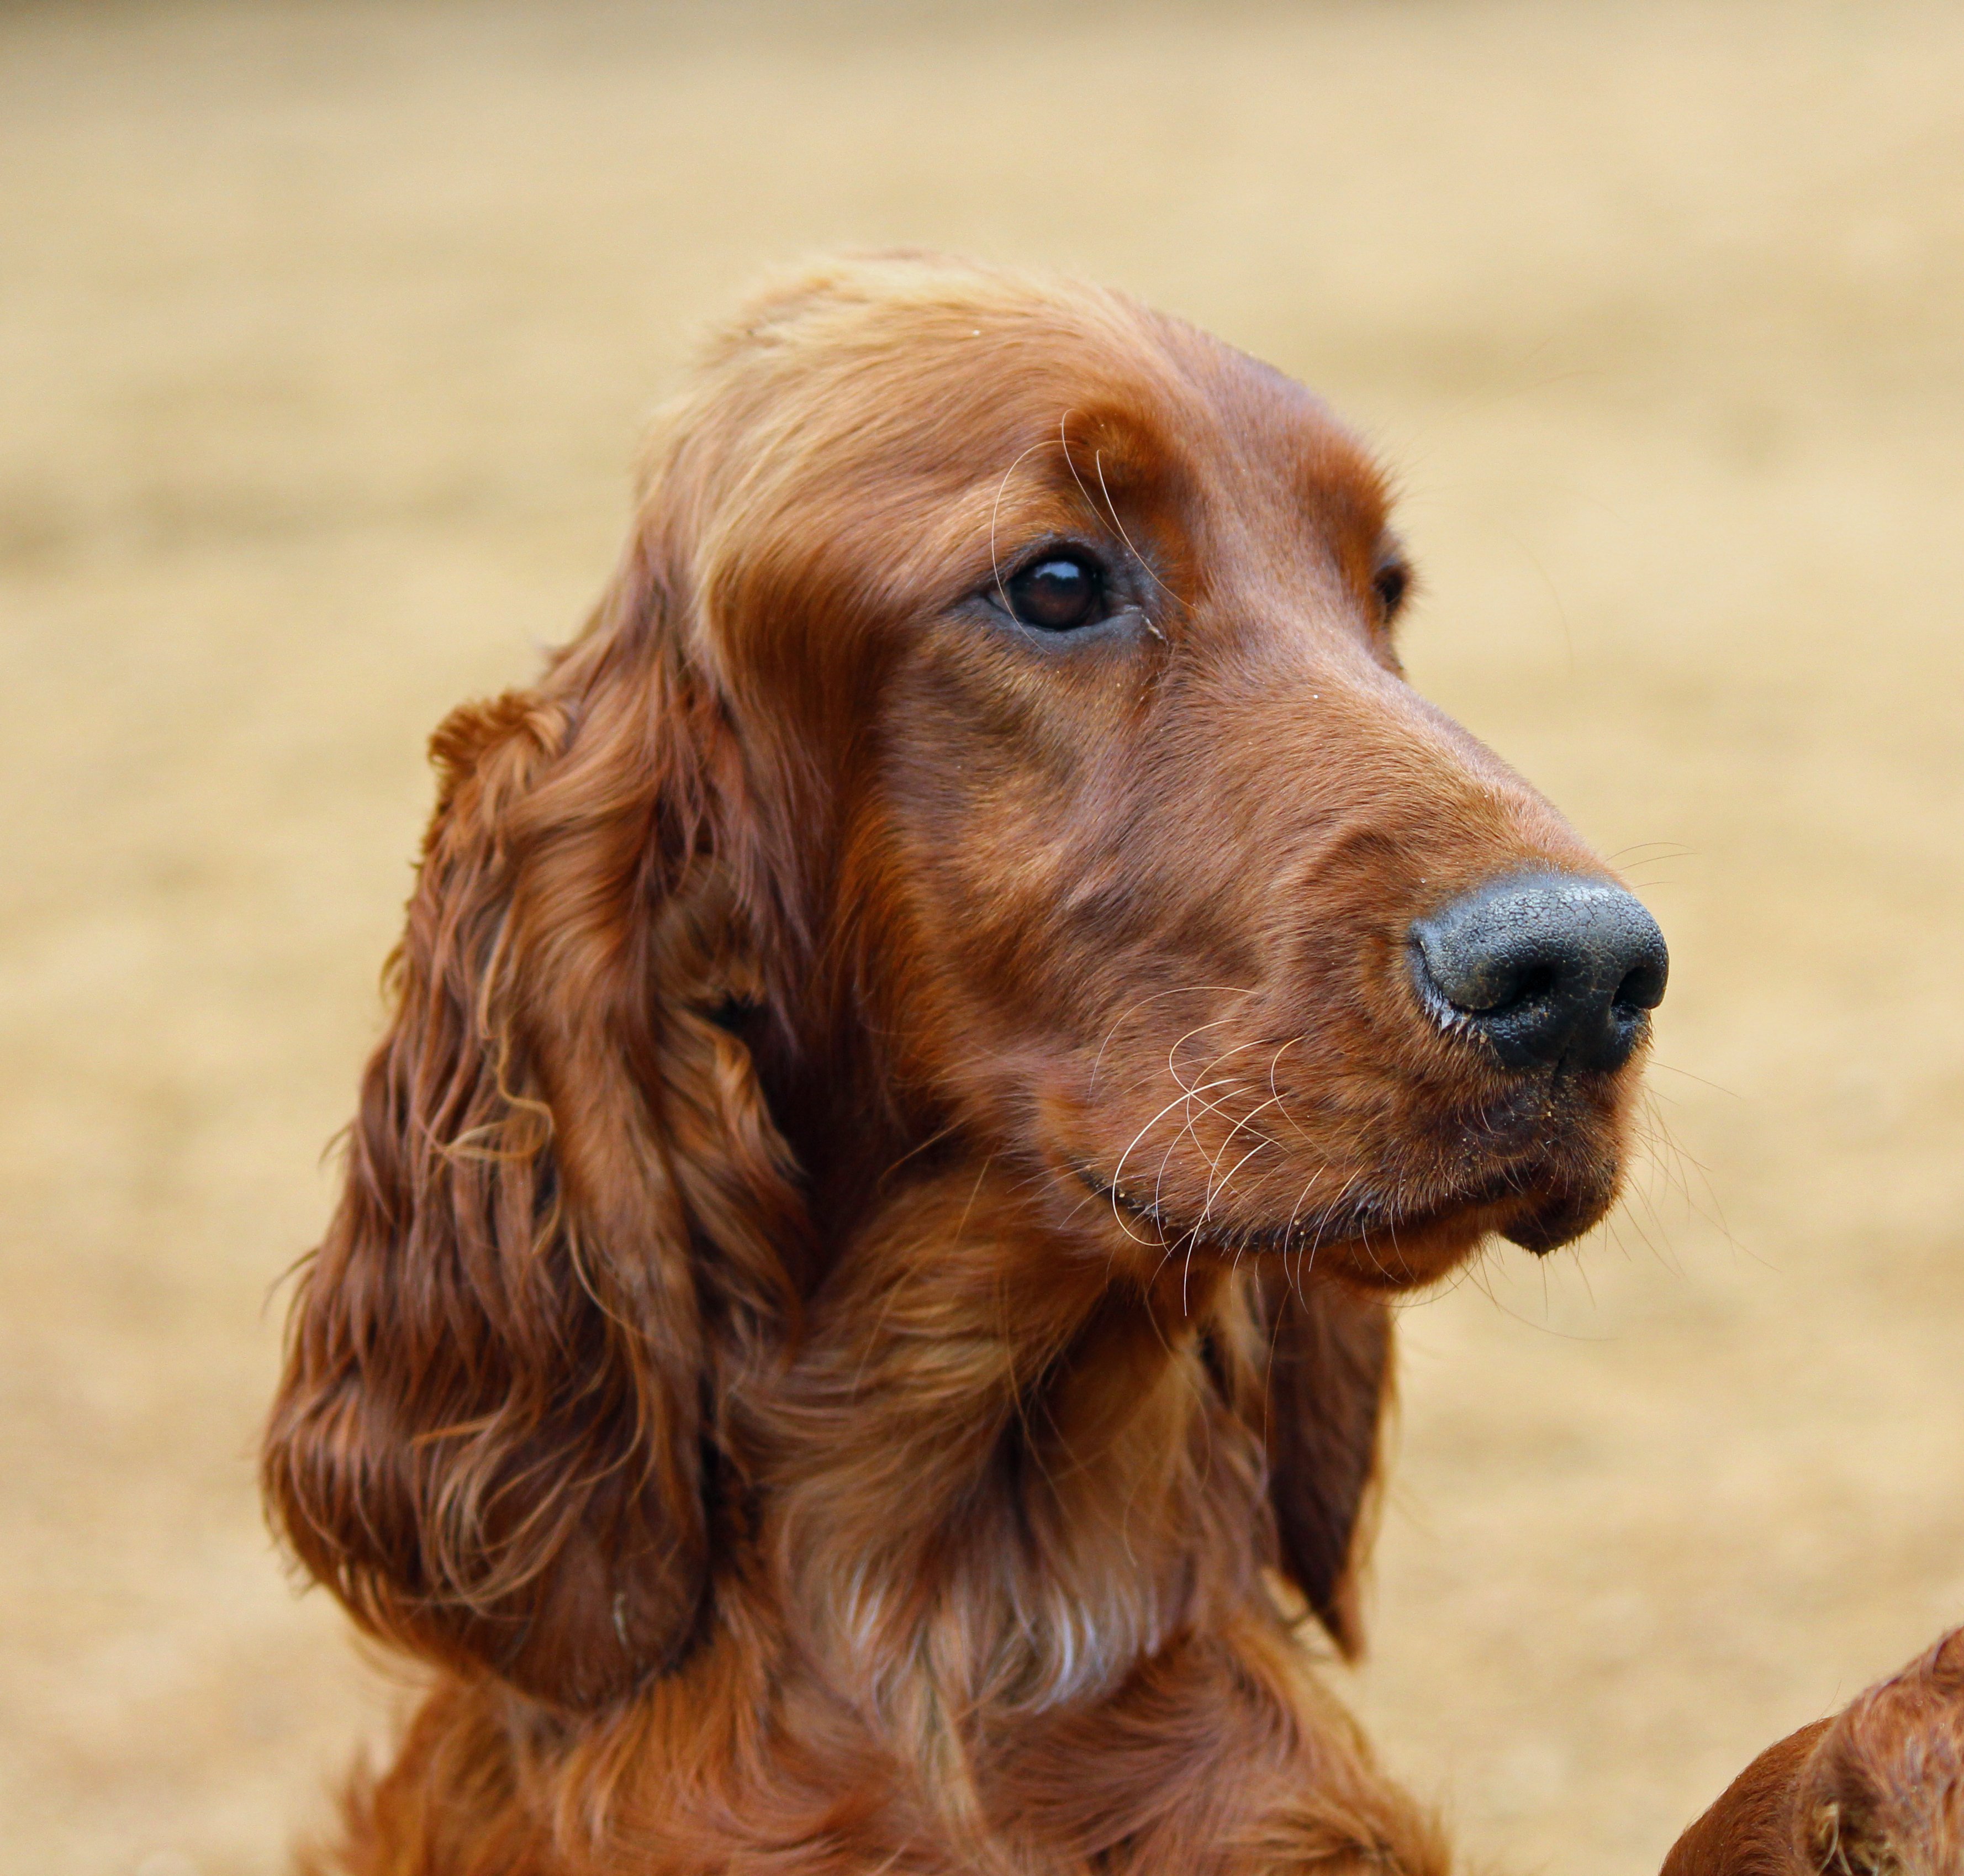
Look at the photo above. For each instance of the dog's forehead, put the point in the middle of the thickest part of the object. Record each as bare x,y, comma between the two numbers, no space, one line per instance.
1226,422
903,351
1167,409
981,407
1207,446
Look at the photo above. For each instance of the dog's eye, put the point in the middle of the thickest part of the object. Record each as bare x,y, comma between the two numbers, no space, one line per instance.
1390,583
1058,593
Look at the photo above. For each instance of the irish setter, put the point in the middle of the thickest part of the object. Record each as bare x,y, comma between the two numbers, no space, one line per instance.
856,1334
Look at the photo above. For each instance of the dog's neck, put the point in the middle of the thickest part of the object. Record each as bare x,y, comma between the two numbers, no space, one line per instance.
984,1415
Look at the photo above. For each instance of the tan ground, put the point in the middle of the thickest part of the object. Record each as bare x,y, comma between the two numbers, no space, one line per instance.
323,337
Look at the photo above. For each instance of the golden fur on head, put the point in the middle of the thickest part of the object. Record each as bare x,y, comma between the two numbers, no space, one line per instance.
863,1257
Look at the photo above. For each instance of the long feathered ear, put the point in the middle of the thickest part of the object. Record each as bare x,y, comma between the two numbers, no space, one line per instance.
1328,1385
567,1216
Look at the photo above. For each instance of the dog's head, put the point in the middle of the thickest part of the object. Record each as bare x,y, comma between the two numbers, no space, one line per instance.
995,737
1147,867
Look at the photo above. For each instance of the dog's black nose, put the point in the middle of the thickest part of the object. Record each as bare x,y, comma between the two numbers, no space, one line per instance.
1550,970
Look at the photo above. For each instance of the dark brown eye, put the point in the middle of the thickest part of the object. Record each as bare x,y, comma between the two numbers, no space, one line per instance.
1390,583
1058,593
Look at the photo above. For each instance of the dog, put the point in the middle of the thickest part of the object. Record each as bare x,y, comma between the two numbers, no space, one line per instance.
856,1333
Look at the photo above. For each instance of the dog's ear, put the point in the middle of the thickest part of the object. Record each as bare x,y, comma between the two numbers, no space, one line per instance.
567,1214
1329,1387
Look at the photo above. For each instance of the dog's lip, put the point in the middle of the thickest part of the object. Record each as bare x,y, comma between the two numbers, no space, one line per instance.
1358,1218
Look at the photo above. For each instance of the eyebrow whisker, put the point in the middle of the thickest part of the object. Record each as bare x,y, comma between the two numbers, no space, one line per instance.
995,511
1098,463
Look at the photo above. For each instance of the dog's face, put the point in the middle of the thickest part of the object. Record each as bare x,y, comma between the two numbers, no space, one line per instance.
1137,815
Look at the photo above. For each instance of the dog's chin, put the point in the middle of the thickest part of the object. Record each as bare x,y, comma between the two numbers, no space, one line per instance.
1421,1249
1384,1246
1560,1217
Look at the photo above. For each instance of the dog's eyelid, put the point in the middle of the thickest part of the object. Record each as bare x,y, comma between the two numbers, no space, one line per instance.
1066,547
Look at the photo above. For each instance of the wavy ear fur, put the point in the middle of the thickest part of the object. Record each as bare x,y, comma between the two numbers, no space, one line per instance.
501,1436
1328,1384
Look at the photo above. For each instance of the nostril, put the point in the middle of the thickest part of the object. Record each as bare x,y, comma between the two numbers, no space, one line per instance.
1642,988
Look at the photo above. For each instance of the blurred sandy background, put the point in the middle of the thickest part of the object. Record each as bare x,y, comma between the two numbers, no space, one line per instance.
324,337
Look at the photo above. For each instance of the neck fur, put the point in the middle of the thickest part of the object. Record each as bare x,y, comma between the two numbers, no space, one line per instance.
985,1415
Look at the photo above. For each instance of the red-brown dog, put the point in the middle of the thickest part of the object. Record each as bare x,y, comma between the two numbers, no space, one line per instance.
856,1330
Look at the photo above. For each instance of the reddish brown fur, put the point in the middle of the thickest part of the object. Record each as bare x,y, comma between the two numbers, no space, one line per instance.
1878,1790
857,1317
